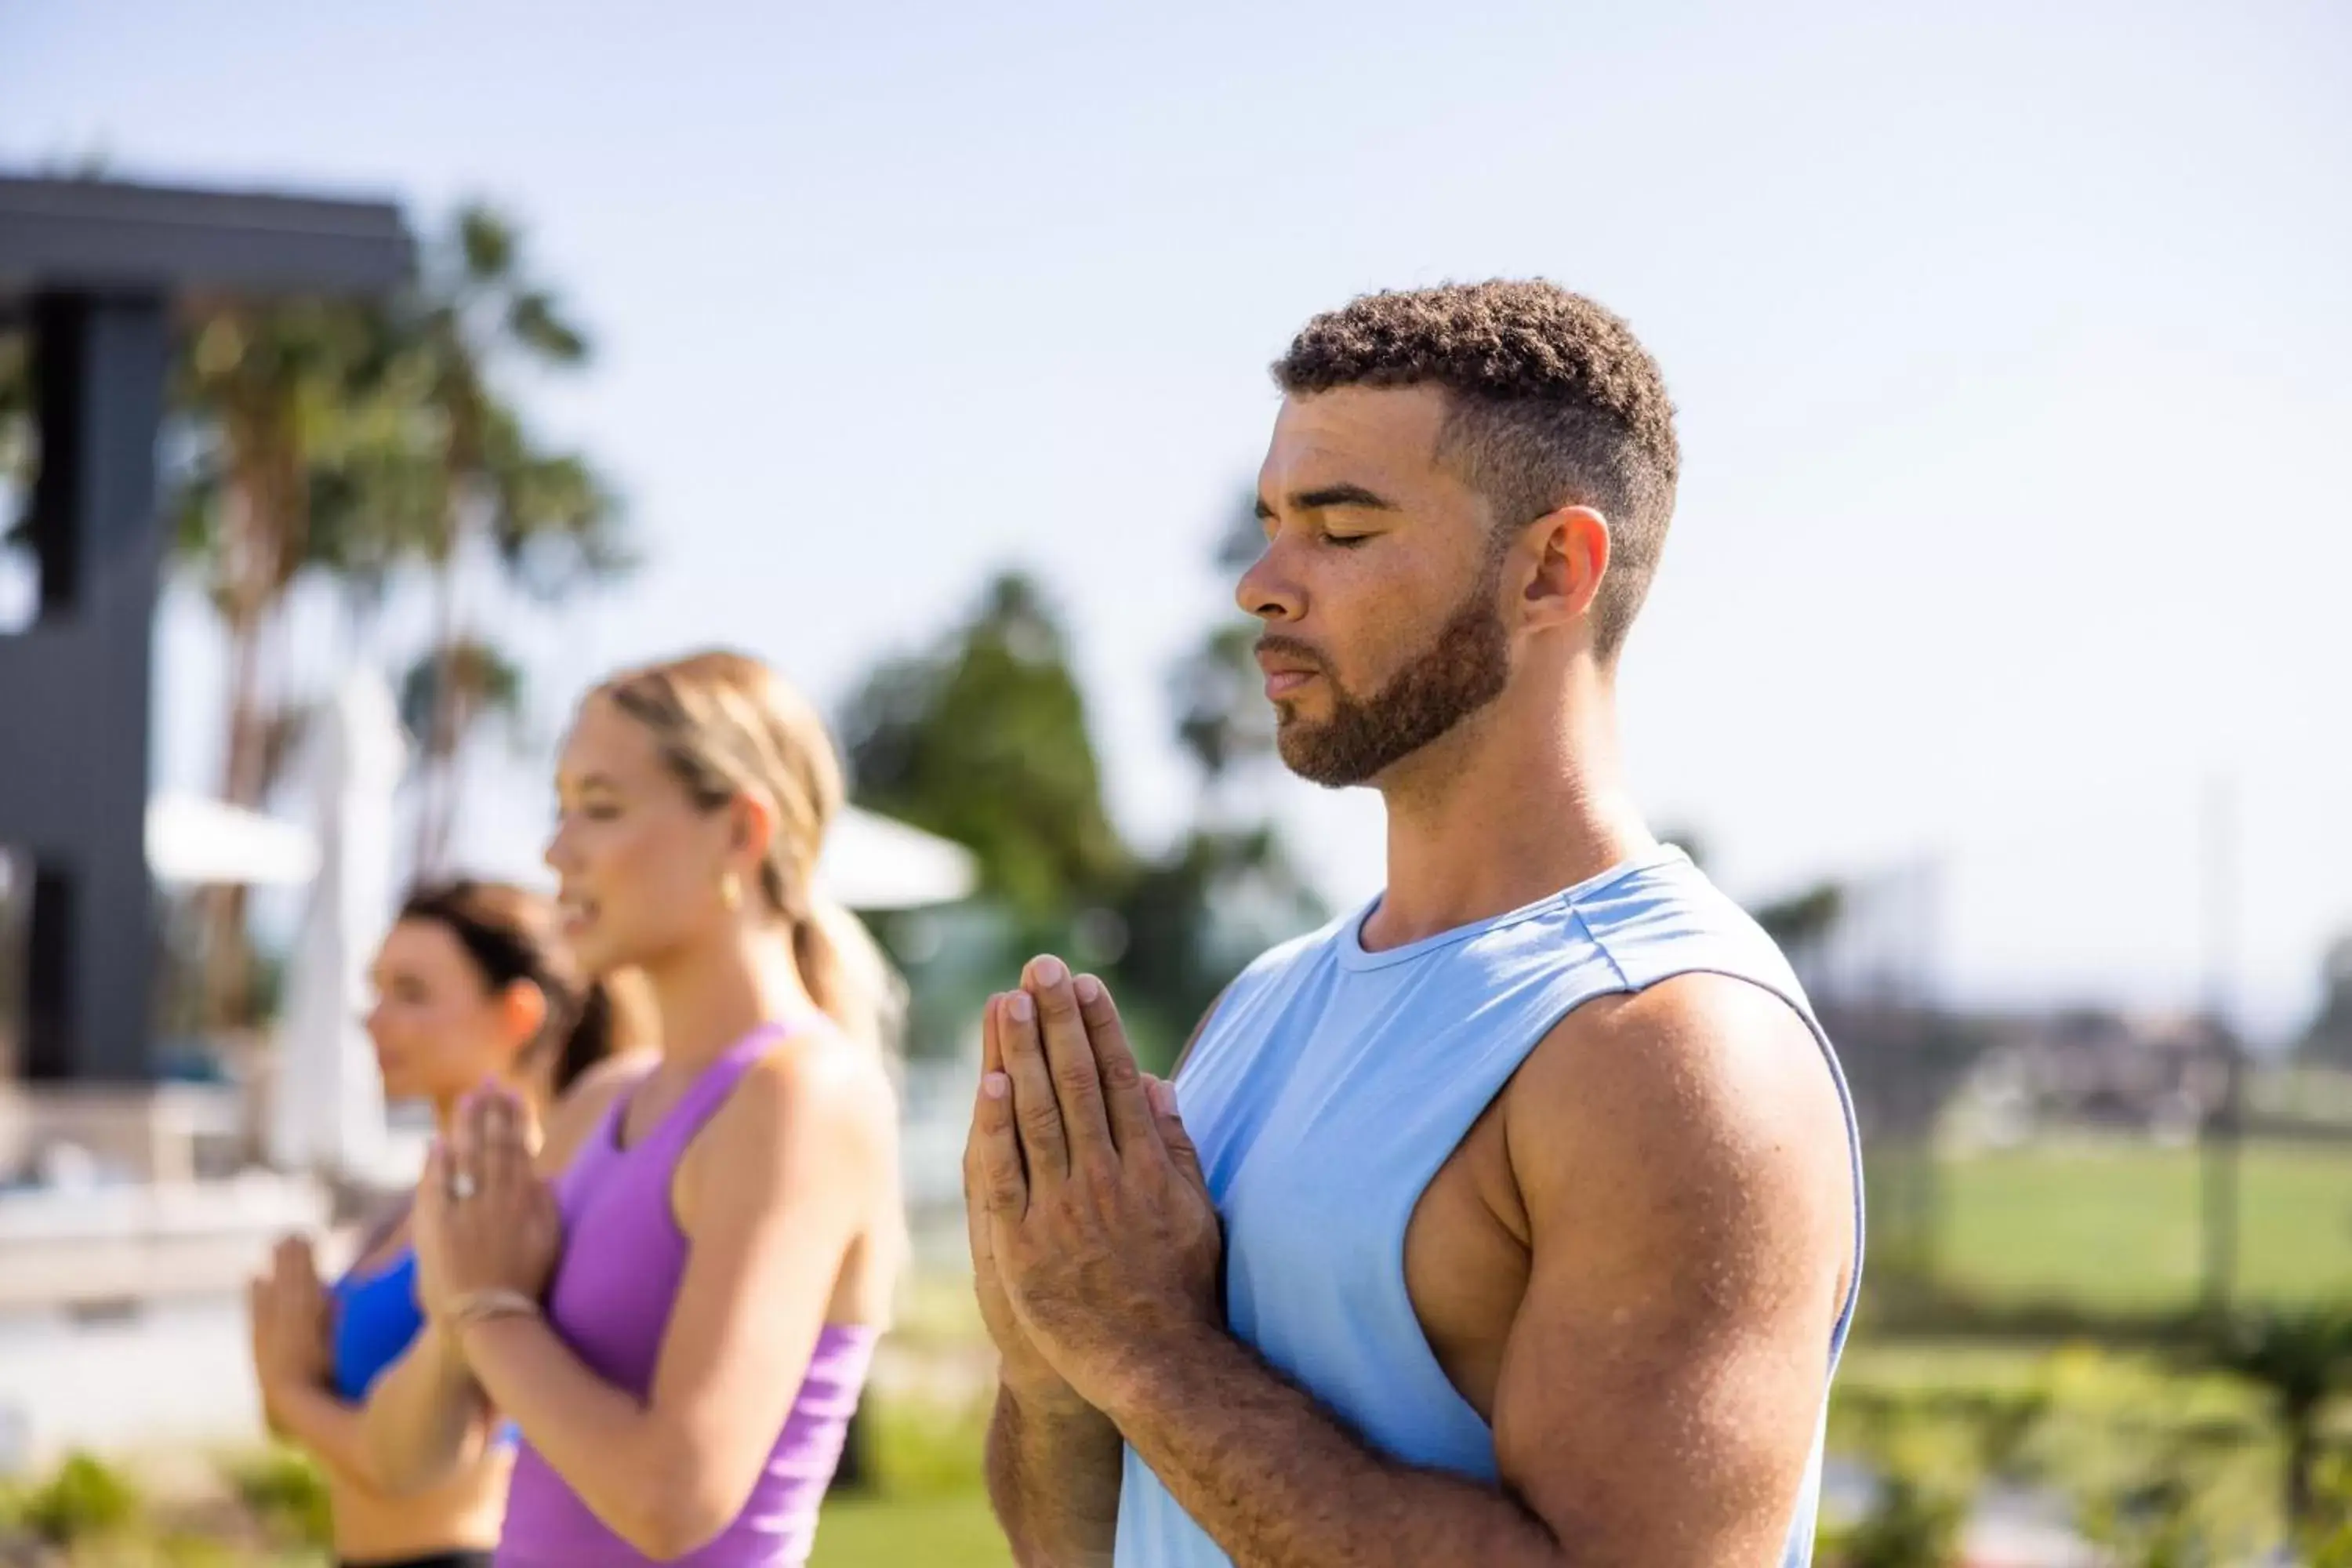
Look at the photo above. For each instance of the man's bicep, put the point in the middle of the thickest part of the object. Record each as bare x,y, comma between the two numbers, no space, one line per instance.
1663,1380
1658,1433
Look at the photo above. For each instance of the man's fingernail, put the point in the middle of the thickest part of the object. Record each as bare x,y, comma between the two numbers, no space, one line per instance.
995,1085
1049,970
1088,988
1020,1008
1163,1097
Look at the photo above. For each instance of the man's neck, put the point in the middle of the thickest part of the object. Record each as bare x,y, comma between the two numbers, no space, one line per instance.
1515,804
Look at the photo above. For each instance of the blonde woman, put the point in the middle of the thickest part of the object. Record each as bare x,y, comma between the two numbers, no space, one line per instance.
679,1320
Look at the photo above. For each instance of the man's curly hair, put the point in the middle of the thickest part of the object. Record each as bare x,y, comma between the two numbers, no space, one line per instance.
1555,404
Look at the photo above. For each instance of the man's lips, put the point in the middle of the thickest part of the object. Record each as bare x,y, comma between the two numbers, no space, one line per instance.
1282,682
1285,672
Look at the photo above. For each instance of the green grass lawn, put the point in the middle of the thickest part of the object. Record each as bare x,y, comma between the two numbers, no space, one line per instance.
2117,1227
950,1528
927,1506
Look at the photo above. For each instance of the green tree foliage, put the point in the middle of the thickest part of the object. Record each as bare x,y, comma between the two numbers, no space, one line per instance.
475,680
1803,920
2301,1359
1223,719
2329,1039
983,738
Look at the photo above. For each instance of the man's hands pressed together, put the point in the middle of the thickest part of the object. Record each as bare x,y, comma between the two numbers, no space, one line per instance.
1097,1251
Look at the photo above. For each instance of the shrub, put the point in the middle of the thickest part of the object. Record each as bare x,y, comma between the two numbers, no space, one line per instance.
286,1491
84,1500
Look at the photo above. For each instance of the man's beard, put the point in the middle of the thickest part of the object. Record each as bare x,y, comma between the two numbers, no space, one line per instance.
1464,668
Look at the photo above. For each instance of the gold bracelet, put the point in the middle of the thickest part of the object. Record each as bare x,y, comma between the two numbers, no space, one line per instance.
481,1306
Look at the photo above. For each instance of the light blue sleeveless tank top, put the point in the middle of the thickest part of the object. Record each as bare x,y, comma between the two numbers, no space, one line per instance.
1332,1083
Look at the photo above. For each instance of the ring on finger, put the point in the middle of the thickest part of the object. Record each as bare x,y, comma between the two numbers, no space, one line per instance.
462,1186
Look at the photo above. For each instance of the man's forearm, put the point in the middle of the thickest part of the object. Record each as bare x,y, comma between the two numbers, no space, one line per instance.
1278,1482
1053,1474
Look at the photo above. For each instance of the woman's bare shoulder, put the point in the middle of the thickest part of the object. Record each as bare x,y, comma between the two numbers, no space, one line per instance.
576,1113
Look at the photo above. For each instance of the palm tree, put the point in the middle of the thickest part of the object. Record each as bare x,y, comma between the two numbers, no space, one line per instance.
478,309
15,437
15,409
450,692
376,486
264,389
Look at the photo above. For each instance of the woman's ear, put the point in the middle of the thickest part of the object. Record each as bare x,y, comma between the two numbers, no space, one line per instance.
522,1010
752,831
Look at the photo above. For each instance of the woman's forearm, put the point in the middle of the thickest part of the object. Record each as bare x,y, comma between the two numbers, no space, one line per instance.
607,1444
424,1417
335,1432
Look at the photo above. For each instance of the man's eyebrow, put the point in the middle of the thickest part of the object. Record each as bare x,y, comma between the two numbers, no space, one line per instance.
1325,497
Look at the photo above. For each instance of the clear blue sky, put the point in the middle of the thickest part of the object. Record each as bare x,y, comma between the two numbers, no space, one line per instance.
2012,346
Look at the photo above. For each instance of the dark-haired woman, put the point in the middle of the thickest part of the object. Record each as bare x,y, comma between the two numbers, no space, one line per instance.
474,985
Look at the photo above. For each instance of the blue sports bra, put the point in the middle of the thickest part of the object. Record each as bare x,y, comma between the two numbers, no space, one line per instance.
376,1317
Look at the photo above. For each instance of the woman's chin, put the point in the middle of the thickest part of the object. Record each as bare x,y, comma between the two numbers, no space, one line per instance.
596,954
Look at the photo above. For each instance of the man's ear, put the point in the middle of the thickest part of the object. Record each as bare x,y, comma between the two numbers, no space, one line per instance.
1570,547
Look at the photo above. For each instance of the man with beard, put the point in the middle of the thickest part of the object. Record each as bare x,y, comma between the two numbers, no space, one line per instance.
1536,1183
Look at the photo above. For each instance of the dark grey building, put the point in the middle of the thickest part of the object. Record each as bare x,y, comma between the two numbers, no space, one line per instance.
100,273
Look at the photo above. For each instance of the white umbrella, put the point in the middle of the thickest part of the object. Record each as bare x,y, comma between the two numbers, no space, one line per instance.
877,863
194,841
869,863
327,1110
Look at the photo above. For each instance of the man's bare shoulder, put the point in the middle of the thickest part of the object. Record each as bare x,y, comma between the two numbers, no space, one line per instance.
1697,1084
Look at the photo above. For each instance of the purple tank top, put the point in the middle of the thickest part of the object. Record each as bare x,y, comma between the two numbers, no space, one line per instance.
610,1300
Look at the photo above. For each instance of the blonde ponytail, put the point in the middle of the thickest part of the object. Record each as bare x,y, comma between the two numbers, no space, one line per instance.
848,975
